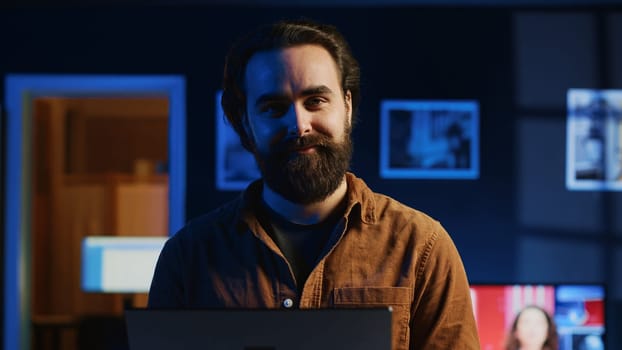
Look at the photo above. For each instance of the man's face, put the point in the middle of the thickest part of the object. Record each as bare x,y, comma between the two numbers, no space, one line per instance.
299,121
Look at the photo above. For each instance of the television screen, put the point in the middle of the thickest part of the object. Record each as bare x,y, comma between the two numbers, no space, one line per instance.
119,264
509,315
594,140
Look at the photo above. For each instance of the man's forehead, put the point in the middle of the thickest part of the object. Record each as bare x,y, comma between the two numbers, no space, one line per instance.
308,65
283,51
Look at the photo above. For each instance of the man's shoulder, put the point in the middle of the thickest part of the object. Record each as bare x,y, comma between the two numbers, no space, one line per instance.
424,231
380,206
214,222
224,213
388,207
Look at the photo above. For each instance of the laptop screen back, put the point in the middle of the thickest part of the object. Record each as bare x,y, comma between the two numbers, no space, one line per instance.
234,329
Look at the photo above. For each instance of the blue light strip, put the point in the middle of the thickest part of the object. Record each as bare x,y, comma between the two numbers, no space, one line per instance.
13,214
177,151
19,90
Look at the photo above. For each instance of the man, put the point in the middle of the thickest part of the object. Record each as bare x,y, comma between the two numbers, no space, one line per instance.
310,234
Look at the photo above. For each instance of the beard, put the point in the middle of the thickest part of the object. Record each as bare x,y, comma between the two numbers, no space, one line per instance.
310,177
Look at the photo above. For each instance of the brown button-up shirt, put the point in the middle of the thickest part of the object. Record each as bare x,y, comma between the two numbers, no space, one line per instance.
382,253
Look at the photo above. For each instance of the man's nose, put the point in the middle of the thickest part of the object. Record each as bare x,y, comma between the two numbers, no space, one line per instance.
299,121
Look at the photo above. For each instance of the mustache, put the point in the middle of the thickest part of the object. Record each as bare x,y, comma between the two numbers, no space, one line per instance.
294,144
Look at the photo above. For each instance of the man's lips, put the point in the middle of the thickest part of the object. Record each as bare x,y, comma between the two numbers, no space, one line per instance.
305,149
306,145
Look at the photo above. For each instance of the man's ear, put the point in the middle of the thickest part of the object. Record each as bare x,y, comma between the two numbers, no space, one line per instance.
348,101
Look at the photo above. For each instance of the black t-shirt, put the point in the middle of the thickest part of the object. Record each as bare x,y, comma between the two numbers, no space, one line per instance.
301,244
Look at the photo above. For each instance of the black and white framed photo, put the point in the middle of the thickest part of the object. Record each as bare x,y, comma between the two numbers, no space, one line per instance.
594,140
429,139
235,166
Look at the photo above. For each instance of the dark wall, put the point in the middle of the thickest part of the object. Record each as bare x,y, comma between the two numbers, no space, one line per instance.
405,53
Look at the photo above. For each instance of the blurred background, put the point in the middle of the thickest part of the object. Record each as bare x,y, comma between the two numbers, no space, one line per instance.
101,164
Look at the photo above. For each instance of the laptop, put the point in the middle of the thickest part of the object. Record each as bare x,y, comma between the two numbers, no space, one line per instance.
244,329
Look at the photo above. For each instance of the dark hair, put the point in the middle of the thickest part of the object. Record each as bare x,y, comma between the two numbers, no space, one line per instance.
552,341
279,35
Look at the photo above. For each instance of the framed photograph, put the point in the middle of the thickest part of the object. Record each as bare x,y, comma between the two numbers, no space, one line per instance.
594,140
429,139
235,166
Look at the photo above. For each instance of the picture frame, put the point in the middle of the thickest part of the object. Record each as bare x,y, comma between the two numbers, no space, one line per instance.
594,140
429,139
235,166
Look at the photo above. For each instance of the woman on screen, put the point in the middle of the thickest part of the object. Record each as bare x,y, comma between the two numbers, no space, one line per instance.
532,329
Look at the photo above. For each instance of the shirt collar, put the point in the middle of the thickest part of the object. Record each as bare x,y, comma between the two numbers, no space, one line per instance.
358,196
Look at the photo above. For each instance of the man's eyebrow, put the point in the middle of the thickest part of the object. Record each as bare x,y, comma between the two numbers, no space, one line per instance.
316,90
313,90
270,97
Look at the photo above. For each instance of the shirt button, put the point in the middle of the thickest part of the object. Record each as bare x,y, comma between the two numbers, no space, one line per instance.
288,303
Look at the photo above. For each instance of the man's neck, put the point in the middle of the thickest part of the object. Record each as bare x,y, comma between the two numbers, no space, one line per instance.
305,214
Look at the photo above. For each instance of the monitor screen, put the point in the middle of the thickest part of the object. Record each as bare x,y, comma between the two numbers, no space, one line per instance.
429,139
594,140
119,264
576,311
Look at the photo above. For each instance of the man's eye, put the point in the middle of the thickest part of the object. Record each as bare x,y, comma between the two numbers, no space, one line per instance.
274,109
314,102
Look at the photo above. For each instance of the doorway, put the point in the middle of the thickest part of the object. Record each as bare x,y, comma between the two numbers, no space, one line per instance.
48,96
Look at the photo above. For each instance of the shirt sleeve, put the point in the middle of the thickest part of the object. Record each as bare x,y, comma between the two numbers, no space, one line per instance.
442,311
167,290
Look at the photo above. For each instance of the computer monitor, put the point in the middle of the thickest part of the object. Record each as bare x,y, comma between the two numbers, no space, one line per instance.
113,264
578,312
